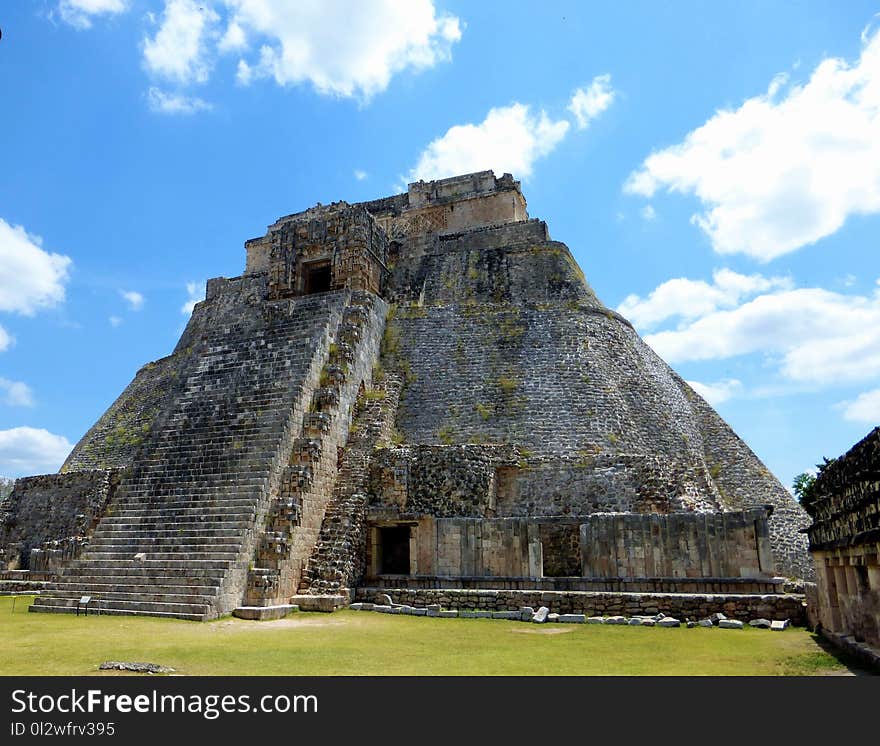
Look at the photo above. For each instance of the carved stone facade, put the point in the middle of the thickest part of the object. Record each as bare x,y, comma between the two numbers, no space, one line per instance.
845,543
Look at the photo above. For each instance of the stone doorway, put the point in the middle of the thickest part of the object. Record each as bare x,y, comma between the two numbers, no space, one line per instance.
316,277
394,543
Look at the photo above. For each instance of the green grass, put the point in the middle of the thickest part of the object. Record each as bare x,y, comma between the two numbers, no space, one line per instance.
355,643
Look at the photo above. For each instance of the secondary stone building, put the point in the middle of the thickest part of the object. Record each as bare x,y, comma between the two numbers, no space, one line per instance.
416,393
845,545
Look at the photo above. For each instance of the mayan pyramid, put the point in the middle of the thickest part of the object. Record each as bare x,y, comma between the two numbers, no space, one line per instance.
416,392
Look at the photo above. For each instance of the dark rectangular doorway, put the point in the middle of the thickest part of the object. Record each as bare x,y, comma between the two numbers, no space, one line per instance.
317,277
394,541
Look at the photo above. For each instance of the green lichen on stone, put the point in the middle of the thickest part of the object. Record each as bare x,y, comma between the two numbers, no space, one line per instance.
446,435
508,384
484,411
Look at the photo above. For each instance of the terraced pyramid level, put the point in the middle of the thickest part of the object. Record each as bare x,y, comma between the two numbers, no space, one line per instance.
416,392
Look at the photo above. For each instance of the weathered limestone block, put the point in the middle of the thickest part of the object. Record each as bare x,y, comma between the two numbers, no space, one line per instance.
730,624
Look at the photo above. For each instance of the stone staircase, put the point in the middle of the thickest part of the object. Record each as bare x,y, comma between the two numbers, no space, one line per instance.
336,562
294,520
179,533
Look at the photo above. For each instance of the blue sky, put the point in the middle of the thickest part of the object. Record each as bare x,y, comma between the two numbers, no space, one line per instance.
714,167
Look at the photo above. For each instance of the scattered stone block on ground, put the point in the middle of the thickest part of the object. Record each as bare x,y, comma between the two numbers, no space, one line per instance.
669,621
730,624
136,667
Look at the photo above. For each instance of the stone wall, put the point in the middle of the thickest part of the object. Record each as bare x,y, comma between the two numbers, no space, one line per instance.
845,542
719,545
532,359
450,205
676,545
52,513
679,605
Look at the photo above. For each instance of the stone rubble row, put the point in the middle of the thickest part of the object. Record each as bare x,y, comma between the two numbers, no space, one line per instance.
543,615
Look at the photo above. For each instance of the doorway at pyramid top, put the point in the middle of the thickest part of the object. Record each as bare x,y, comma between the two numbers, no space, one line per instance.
327,249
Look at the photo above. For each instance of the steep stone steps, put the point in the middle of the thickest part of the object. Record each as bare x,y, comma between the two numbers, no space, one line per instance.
95,566
290,536
195,611
177,521
228,529
213,455
144,593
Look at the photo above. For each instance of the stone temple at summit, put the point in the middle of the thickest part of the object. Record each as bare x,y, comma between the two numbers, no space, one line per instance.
418,395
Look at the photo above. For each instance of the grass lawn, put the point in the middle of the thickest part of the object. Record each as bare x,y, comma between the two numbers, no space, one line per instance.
366,643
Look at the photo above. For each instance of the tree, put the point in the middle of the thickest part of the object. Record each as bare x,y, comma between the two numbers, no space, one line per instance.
803,487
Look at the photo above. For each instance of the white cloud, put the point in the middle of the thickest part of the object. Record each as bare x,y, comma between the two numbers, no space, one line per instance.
196,293
175,103
30,450
30,278
16,393
588,103
78,13
786,168
341,48
812,335
115,321
691,299
865,408
718,392
233,39
648,213
6,339
179,51
509,140
134,299
360,175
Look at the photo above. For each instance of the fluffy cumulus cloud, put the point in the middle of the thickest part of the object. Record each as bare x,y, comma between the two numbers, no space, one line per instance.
510,139
719,391
588,103
686,299
79,13
786,168
31,278
810,335
341,48
864,408
164,102
179,50
30,450
15,393
196,293
133,298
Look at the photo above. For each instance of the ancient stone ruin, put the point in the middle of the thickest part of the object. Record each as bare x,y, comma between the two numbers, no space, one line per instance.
418,395
845,545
